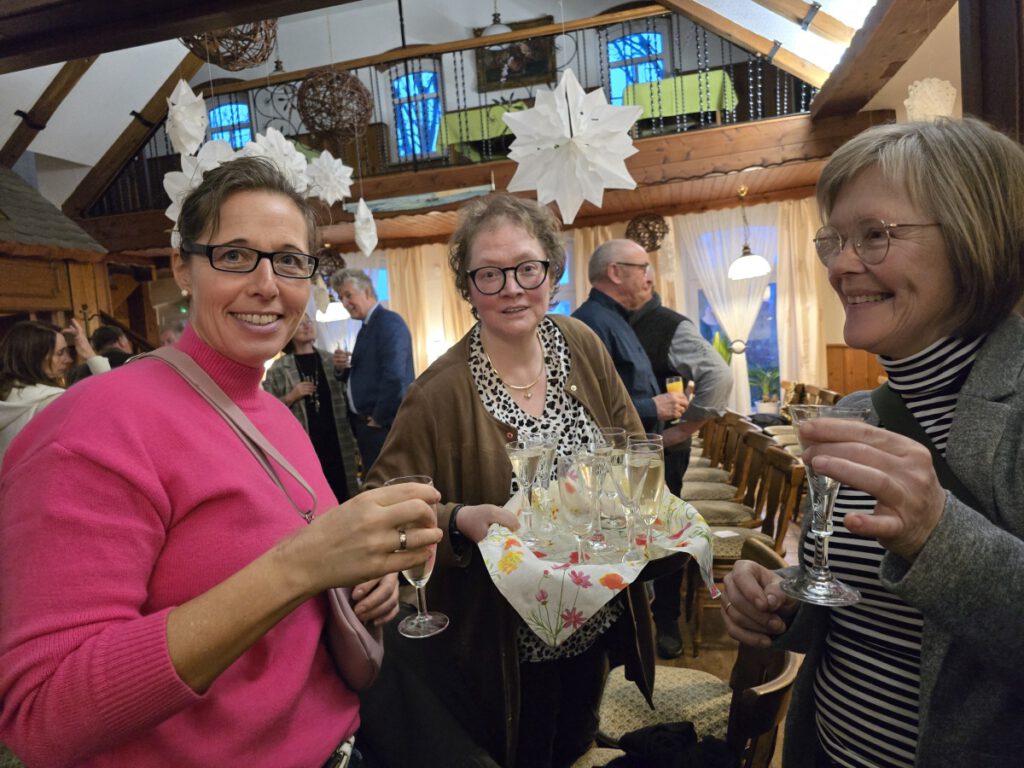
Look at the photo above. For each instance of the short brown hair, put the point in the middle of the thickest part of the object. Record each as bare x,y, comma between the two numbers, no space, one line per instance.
23,352
201,208
967,177
488,212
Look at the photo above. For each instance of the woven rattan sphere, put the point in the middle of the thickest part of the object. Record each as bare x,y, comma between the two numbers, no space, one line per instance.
235,48
647,229
334,102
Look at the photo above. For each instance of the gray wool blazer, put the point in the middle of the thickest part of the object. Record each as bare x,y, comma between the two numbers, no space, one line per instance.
967,581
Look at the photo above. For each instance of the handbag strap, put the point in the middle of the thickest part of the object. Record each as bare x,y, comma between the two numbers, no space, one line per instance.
895,416
250,436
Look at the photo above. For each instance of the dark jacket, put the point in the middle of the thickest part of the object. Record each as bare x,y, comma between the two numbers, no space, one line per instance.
381,366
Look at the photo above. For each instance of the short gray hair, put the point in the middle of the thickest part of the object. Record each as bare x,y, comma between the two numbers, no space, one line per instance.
604,255
967,177
349,275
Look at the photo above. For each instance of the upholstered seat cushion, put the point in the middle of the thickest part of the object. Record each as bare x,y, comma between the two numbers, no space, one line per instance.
780,429
790,439
699,461
598,756
693,491
705,475
794,449
723,512
728,547
679,694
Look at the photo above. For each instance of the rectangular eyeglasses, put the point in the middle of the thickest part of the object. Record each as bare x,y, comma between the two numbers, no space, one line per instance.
241,258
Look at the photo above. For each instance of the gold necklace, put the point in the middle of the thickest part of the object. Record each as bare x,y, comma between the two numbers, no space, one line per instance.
519,387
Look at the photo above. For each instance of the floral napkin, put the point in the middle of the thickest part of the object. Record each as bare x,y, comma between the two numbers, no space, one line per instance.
555,594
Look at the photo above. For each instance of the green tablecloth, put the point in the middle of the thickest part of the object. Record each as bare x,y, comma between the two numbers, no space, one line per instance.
682,94
477,124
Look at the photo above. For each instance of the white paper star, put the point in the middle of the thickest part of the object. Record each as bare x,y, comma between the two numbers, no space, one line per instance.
276,148
329,178
178,184
186,119
366,228
571,146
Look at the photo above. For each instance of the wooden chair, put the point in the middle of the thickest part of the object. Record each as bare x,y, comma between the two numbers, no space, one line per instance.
740,509
828,397
720,482
745,712
778,498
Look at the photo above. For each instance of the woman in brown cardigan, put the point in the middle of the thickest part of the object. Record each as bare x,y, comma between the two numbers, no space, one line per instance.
514,701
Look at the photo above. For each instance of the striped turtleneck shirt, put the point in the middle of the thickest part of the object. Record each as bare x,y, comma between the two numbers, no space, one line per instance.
868,683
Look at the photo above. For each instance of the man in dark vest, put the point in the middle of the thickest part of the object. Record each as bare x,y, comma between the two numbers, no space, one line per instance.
675,348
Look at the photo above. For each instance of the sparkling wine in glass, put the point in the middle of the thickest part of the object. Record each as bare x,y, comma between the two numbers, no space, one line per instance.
653,488
815,583
574,510
610,445
424,623
526,457
542,488
629,482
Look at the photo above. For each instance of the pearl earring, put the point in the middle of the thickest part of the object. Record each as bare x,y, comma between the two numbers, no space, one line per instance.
184,293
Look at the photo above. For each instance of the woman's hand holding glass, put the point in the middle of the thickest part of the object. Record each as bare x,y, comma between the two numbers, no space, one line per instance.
754,607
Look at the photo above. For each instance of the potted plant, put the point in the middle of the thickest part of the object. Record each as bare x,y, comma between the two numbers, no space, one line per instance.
766,380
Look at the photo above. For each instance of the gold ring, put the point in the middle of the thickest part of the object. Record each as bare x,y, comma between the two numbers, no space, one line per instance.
726,607
403,542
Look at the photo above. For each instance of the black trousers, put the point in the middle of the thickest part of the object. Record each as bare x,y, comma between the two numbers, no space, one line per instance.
369,439
667,589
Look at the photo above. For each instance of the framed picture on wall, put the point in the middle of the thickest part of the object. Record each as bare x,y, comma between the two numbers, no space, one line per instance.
524,62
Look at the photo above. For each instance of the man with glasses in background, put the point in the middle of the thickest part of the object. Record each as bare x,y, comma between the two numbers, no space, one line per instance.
622,281
379,370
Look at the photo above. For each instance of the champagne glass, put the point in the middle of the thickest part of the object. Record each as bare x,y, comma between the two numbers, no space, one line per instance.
424,623
610,446
815,583
575,511
650,448
526,457
674,384
629,482
542,492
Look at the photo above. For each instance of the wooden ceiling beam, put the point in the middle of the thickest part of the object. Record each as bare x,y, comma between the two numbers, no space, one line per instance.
35,120
743,37
892,32
823,25
38,32
130,140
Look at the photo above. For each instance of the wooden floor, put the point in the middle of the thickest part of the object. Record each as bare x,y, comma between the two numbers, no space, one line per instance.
718,650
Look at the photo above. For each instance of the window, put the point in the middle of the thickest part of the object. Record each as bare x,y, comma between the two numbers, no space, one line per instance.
417,113
563,295
636,58
763,344
230,123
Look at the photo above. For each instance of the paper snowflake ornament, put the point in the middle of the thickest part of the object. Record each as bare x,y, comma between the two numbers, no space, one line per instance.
571,146
178,184
930,99
186,119
330,179
366,228
283,154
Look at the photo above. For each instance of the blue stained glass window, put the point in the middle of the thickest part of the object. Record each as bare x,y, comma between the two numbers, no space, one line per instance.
417,113
636,58
231,124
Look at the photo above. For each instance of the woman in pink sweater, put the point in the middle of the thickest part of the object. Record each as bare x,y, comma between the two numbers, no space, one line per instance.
161,601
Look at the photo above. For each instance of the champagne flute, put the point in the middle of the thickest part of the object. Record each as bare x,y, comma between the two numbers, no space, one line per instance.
610,446
815,583
526,457
629,482
650,447
543,501
575,500
424,623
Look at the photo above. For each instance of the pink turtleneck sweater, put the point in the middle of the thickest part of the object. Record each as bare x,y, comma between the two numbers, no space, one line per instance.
126,497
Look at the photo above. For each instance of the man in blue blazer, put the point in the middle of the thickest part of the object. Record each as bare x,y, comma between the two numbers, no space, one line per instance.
379,370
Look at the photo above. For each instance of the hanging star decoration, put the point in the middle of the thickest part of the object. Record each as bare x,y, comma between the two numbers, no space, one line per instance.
186,119
366,228
324,177
571,146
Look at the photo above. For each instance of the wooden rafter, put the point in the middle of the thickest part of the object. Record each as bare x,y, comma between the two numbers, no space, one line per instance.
33,121
823,25
892,32
743,37
129,141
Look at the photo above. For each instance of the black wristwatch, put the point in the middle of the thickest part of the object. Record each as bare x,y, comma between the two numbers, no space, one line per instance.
455,536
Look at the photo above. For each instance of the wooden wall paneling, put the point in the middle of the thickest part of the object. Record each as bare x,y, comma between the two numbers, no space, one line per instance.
850,370
32,285
90,292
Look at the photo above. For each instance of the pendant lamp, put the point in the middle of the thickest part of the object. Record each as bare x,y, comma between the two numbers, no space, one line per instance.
749,265
495,27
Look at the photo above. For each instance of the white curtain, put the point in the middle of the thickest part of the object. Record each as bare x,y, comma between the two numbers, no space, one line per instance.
711,241
801,290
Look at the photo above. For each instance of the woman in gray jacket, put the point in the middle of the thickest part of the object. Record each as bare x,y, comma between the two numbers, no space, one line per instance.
924,245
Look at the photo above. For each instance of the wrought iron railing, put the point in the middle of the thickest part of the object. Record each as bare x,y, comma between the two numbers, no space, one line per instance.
438,106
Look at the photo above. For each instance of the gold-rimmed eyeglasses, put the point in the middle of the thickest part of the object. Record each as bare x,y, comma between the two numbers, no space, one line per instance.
870,239
647,268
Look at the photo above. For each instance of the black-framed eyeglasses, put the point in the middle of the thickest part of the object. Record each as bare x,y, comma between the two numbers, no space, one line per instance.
528,274
645,267
241,258
870,240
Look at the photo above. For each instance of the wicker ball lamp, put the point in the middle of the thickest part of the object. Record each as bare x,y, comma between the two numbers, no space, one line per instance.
235,48
335,103
647,229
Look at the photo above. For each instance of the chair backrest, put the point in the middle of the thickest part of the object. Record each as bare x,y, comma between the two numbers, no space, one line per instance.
791,392
732,452
828,397
714,444
762,683
749,465
778,493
